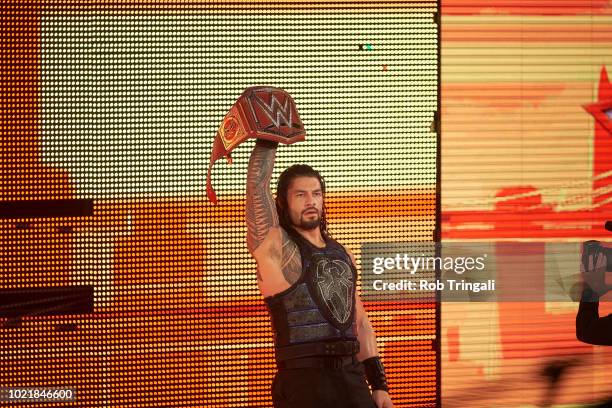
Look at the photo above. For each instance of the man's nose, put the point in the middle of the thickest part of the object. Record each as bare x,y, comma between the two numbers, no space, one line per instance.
310,201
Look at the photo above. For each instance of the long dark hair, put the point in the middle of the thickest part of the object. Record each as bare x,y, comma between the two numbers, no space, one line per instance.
282,188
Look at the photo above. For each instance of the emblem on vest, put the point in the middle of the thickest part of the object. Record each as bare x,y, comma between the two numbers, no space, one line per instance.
333,280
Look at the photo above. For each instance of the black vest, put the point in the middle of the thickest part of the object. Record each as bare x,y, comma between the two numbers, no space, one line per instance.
320,306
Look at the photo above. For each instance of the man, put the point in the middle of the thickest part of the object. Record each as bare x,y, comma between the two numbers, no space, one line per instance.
324,342
590,328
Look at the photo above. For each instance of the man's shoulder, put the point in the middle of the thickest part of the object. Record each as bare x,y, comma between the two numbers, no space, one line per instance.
347,250
287,236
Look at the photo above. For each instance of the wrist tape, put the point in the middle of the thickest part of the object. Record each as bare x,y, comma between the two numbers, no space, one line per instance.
375,373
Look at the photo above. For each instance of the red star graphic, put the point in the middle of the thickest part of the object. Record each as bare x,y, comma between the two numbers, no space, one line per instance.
602,109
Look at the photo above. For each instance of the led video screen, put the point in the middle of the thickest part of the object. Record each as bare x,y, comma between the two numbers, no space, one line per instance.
123,284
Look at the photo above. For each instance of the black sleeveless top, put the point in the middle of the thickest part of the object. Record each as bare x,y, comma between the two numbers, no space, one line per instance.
320,306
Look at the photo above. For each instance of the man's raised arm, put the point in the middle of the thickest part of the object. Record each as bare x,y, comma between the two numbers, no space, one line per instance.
261,214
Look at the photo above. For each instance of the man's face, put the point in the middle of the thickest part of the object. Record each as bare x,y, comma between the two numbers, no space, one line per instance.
305,200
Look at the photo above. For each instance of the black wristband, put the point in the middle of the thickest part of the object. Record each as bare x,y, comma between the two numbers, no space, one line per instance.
589,295
375,373
266,143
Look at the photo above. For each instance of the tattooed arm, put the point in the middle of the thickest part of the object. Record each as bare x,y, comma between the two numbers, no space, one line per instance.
266,240
261,214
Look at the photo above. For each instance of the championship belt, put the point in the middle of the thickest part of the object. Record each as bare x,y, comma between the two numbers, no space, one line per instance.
261,112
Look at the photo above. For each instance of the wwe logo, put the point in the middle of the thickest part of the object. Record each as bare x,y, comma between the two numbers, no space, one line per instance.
279,114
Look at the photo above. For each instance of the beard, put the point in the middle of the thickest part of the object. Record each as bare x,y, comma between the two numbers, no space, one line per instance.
309,224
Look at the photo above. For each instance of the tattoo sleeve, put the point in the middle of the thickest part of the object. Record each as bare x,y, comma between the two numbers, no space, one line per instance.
260,208
291,261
